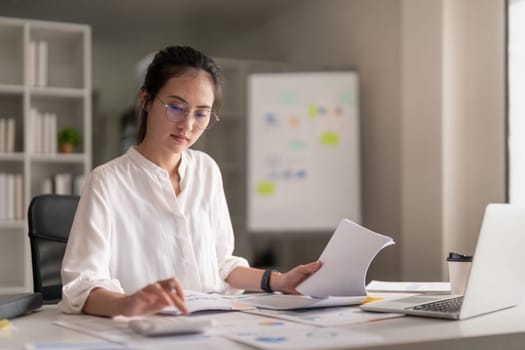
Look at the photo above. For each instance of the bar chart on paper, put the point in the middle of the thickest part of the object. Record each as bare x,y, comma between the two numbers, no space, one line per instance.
303,151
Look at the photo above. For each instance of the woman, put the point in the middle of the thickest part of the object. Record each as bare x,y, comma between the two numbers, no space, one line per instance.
155,220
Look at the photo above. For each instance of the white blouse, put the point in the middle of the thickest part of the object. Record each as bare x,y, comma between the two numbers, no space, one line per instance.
130,229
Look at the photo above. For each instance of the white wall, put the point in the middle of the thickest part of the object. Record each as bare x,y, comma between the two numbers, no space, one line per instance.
432,107
452,128
421,134
474,122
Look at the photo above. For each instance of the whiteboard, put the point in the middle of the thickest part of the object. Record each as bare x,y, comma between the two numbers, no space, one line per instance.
303,166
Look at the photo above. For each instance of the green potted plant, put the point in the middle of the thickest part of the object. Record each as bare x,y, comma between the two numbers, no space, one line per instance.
68,140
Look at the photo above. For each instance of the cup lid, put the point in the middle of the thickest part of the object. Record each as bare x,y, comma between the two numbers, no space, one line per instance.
458,257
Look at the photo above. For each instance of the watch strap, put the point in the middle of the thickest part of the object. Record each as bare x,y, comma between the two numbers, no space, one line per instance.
265,281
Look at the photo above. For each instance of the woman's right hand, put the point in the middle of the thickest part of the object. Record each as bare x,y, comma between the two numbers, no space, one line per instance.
155,297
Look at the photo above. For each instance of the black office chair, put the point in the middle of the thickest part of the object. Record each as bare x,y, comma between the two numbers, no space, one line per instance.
50,218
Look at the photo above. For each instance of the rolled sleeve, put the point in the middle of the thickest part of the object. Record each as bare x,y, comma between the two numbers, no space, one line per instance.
75,293
227,267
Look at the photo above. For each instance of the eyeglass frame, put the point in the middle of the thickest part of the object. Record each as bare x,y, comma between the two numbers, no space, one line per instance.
187,112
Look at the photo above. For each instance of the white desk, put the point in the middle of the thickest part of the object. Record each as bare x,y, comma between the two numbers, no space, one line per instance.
500,330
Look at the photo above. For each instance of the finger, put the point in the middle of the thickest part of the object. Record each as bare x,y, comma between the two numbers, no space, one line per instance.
163,297
145,302
294,292
311,267
176,294
176,287
180,304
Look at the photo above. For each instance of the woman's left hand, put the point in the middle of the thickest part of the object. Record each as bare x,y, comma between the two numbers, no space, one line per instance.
287,282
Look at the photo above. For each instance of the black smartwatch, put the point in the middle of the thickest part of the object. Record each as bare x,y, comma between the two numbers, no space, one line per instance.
265,281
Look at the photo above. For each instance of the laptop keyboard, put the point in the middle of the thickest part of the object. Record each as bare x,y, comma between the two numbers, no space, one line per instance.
447,305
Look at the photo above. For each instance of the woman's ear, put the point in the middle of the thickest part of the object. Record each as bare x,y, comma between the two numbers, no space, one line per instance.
145,101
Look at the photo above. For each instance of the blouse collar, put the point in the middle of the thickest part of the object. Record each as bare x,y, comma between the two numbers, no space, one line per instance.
147,164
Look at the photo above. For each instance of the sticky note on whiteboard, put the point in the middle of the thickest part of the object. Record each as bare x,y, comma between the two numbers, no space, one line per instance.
330,138
266,188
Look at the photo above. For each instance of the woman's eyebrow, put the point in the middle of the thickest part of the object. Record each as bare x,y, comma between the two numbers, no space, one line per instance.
177,98
180,99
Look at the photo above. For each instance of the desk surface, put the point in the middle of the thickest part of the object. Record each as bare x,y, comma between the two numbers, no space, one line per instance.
503,328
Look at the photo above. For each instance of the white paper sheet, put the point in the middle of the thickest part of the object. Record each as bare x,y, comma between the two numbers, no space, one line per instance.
326,317
74,346
289,302
346,259
318,338
409,287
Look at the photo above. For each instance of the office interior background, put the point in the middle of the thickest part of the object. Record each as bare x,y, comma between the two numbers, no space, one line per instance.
433,101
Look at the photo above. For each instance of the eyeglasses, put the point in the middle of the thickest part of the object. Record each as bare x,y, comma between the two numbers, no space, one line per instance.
202,118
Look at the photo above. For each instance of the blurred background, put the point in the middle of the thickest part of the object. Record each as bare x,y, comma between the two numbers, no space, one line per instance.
432,101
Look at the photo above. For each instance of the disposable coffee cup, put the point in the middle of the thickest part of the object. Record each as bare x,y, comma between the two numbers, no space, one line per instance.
458,272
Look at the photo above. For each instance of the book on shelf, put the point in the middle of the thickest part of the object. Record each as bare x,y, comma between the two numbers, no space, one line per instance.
10,136
63,184
47,186
32,58
19,197
11,197
36,131
42,63
43,131
3,196
7,135
38,62
3,138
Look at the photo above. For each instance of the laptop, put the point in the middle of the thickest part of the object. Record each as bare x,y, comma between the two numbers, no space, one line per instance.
496,279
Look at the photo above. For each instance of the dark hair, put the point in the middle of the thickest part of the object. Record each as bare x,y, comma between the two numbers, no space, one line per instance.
171,62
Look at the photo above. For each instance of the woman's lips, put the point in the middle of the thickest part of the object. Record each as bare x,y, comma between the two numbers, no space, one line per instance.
179,138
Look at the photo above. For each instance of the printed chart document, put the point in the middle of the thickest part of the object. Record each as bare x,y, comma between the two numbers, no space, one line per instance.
75,346
198,301
326,317
317,338
278,301
345,259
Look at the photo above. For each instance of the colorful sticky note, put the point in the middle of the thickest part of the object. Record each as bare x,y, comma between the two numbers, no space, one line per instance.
330,138
294,121
270,118
301,173
4,324
266,188
346,97
371,299
288,98
312,111
296,145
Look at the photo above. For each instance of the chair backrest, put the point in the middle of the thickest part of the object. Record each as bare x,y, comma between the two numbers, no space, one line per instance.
49,218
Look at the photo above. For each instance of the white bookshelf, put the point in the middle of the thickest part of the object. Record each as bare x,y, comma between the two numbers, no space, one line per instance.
67,93
226,141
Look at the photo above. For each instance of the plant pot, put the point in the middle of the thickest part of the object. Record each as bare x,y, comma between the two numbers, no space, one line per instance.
67,148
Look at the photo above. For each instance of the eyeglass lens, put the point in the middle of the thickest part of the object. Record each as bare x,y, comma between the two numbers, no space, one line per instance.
202,119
